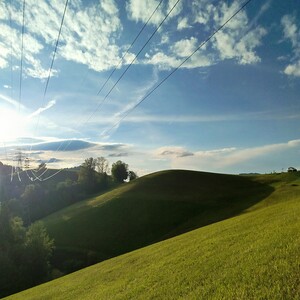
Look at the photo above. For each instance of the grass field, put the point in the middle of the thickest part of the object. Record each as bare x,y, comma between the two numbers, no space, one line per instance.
145,211
254,255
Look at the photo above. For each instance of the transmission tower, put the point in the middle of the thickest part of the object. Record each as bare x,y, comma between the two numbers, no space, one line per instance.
18,162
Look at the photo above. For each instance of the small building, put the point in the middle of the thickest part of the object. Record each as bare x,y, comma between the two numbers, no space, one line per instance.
292,169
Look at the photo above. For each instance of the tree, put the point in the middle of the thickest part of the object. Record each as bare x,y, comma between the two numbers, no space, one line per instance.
119,171
132,175
33,204
38,249
101,164
87,176
24,255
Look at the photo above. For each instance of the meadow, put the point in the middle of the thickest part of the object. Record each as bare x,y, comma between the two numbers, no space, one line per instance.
253,254
145,211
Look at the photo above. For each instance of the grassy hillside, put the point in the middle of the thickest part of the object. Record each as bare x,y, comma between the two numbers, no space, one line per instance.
147,210
251,256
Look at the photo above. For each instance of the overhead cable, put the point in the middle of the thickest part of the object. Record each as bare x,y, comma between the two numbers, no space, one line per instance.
133,60
100,104
52,62
132,43
179,66
22,54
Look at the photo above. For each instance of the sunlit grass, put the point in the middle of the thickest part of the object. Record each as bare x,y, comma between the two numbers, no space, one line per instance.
151,209
251,256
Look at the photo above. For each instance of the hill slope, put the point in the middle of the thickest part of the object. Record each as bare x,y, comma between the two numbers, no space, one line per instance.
251,256
148,210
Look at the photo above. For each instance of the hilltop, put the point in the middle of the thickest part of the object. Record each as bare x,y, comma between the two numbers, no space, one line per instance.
145,211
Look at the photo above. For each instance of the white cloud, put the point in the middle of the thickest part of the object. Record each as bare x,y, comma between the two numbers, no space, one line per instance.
10,48
290,29
163,61
236,41
177,9
201,11
142,10
184,47
232,42
91,34
71,157
180,50
221,160
42,109
293,69
292,33
165,38
225,160
183,23
172,152
137,96
109,7
11,101
88,35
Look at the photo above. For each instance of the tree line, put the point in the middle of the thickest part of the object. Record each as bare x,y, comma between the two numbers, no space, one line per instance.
24,254
25,247
32,201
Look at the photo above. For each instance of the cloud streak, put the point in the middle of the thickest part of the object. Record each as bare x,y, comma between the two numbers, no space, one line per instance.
227,158
291,33
42,109
11,101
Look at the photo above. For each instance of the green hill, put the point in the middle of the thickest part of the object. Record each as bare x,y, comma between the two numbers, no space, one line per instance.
147,210
254,255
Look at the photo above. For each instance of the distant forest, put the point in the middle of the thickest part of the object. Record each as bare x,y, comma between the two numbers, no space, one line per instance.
25,247
32,199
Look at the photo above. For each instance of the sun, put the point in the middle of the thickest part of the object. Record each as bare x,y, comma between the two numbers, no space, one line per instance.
12,125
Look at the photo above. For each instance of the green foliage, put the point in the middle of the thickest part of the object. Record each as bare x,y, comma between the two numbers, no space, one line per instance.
24,255
119,171
87,175
254,255
38,250
34,200
132,175
101,165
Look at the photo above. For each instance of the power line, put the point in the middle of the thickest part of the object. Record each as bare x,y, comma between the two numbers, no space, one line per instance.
22,54
51,66
100,104
167,77
55,50
52,62
11,53
179,66
132,43
121,60
11,74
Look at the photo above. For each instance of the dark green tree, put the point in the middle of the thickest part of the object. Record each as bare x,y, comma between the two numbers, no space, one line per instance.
119,171
24,256
38,250
132,175
101,165
87,175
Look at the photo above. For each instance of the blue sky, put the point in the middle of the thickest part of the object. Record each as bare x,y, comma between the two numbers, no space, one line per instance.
233,107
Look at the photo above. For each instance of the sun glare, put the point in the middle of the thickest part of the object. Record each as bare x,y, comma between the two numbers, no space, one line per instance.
12,125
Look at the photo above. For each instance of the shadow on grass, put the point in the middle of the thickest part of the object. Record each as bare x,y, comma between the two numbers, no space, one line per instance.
156,207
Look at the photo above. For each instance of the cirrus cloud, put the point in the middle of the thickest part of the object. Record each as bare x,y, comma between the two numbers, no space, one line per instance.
292,33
